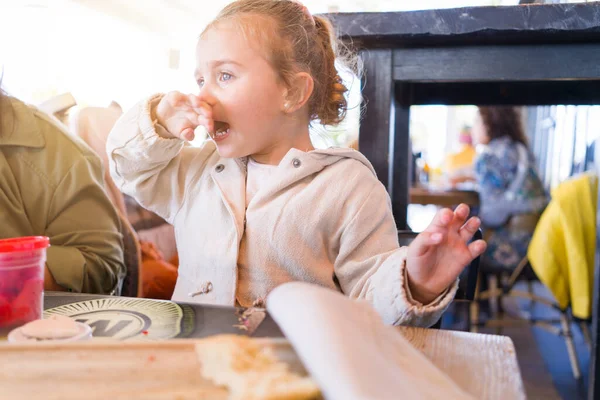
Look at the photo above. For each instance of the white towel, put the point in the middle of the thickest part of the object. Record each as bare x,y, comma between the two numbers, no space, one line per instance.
348,350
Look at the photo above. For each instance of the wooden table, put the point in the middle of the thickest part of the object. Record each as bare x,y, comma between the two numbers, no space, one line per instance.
443,197
484,365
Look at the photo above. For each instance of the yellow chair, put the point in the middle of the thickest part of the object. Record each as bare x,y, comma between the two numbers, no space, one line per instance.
561,256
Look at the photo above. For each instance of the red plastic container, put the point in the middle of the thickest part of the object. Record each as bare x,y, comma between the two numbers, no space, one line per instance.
22,262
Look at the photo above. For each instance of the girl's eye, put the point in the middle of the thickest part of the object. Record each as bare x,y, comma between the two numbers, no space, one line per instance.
225,76
200,82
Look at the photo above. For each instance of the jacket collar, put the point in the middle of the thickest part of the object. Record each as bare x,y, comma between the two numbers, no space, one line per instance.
230,175
18,125
297,164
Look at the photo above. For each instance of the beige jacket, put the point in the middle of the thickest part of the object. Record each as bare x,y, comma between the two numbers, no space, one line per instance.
51,185
324,219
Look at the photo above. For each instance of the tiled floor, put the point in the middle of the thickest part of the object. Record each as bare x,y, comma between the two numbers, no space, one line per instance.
542,356
556,359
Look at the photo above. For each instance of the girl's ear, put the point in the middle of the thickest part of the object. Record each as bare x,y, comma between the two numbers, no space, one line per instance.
299,93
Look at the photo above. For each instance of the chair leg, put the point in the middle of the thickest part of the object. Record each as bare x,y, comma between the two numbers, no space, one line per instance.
500,315
566,327
530,291
493,288
473,323
496,301
474,316
587,335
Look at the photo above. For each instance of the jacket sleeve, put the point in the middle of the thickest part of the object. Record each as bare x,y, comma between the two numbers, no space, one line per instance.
371,266
153,170
86,253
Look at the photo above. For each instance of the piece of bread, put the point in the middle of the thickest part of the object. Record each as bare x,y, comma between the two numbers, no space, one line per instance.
251,371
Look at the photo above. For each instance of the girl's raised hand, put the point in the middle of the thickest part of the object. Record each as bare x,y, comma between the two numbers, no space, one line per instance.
438,255
181,114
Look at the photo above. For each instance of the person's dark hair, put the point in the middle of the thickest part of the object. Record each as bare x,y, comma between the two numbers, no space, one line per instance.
503,121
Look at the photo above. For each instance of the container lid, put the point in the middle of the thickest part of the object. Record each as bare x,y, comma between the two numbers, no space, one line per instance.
84,332
27,243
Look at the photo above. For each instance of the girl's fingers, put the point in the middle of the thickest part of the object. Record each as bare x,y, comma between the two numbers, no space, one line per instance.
194,100
204,109
188,126
187,103
188,134
207,123
425,240
192,117
197,99
435,238
199,105
178,99
442,219
469,228
461,213
477,248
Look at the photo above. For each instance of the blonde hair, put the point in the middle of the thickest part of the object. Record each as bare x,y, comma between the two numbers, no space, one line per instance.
296,42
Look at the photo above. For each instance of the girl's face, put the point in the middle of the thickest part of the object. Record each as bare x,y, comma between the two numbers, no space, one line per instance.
245,92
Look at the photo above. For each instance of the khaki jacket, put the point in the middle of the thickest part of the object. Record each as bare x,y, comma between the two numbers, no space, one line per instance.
324,219
51,184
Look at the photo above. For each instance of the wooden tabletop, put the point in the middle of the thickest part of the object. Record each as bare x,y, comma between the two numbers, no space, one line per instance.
443,197
483,365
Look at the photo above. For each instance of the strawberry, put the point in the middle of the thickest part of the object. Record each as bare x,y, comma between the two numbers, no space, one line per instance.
27,305
32,272
5,311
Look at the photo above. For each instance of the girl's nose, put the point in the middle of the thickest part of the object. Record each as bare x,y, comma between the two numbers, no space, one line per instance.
207,95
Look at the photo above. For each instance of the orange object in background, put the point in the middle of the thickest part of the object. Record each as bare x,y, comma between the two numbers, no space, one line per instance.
158,277
459,166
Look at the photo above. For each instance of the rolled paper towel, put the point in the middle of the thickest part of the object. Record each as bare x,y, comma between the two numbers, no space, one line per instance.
350,352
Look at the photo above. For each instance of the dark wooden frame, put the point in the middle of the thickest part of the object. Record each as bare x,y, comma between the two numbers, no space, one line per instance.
521,55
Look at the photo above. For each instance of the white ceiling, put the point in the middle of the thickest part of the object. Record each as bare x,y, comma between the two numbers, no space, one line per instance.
175,17
158,16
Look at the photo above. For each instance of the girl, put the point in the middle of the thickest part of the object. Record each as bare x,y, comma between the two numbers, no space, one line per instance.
258,206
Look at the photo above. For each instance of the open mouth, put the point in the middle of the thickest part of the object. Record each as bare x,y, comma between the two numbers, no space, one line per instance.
221,130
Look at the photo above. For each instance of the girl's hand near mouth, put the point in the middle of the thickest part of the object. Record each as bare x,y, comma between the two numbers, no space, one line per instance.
181,114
